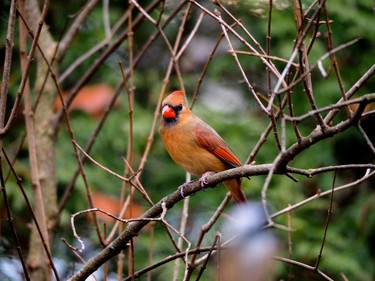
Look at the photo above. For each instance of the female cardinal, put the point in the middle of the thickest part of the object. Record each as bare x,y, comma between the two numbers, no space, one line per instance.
194,145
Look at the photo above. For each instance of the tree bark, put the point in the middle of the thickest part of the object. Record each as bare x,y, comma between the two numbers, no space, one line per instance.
44,144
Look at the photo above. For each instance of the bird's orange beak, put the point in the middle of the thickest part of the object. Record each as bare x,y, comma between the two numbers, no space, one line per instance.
168,112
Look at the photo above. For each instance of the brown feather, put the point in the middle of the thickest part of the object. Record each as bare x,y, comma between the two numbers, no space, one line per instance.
236,191
195,146
210,140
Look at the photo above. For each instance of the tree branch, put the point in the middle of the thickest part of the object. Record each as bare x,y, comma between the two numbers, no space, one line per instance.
191,188
319,134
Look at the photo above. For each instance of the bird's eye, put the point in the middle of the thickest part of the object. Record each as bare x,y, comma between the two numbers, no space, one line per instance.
179,107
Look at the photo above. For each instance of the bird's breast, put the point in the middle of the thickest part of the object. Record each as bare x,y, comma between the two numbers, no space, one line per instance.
185,151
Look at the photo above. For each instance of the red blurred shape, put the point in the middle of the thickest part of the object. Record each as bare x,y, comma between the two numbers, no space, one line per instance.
113,206
92,99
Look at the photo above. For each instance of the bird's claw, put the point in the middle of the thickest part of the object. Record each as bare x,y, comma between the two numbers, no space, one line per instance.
181,189
202,180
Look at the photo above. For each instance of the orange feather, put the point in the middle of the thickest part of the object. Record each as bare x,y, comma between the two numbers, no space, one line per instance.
194,145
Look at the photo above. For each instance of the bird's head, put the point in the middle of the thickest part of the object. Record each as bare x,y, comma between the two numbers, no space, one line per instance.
172,107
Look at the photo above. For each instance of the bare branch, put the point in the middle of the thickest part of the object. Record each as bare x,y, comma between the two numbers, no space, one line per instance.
77,24
193,187
7,61
327,223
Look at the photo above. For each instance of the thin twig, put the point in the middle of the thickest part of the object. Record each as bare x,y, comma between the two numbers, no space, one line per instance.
31,210
244,76
292,57
367,175
269,57
327,223
208,226
366,99
99,61
11,224
366,137
129,155
7,61
183,223
76,149
215,246
106,20
361,81
91,141
290,246
332,54
303,265
205,68
317,64
100,165
240,38
240,24
190,37
75,27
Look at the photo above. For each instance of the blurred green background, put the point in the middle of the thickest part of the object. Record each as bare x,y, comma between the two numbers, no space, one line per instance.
350,240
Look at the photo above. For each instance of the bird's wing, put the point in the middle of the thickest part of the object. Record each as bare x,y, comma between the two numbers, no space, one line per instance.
209,139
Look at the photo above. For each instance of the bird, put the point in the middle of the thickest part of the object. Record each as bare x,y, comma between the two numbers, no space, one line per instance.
194,145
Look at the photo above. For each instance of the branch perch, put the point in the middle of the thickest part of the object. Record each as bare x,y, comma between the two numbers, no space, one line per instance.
191,188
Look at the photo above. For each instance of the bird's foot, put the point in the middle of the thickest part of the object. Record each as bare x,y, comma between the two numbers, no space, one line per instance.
181,189
202,180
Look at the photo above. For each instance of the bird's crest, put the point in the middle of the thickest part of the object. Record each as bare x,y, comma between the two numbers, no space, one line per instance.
177,97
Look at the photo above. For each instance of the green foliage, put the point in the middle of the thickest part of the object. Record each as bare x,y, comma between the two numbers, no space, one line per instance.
350,239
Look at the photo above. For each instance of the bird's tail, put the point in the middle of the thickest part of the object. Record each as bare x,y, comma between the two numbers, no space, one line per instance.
236,191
